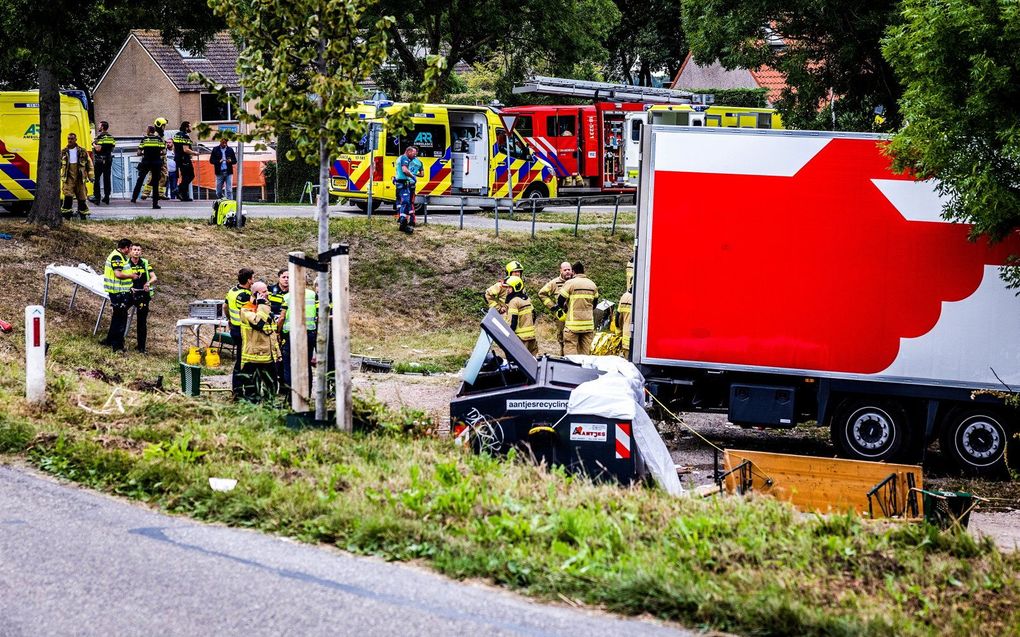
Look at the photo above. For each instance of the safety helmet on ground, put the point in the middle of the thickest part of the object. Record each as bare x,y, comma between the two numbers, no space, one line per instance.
516,283
514,266
160,122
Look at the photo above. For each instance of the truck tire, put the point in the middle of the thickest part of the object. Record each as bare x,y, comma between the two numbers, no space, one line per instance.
534,191
977,441
362,206
870,430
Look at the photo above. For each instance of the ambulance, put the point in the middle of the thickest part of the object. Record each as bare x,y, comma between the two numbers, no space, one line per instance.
19,142
690,115
463,150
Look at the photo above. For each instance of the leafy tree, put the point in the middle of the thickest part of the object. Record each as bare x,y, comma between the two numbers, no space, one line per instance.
61,43
960,63
302,63
650,36
554,35
829,48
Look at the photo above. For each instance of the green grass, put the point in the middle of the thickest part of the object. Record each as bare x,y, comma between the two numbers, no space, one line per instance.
548,216
749,566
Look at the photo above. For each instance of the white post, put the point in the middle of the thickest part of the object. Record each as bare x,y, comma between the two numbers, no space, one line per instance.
342,339
35,353
301,387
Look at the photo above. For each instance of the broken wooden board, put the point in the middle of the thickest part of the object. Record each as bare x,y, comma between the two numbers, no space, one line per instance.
823,484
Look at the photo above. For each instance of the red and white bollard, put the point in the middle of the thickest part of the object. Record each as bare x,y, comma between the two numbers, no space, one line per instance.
35,353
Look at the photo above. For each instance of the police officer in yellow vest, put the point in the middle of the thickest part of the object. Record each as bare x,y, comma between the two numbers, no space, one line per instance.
496,295
237,297
260,353
117,280
153,152
283,324
521,314
550,293
142,291
576,305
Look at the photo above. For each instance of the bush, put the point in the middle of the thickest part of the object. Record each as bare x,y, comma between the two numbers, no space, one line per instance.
292,175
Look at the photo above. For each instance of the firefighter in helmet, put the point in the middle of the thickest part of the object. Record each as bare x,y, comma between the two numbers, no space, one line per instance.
160,124
521,313
496,295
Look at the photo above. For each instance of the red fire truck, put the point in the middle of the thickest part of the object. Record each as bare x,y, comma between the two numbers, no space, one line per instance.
583,143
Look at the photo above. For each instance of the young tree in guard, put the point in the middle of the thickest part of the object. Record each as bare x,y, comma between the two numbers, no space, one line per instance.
302,65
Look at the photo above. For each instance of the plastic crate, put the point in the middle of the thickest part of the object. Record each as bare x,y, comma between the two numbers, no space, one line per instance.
944,508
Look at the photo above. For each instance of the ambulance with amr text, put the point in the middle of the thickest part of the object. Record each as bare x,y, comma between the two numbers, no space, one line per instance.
19,142
463,150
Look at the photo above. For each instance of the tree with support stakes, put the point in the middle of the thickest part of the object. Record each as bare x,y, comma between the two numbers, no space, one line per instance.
302,65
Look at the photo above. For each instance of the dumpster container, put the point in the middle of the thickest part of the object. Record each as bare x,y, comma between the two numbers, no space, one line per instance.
601,448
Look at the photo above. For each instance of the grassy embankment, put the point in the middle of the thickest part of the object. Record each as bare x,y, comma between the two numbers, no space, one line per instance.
749,566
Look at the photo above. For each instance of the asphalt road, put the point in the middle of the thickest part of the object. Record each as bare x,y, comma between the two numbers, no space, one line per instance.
74,562
443,215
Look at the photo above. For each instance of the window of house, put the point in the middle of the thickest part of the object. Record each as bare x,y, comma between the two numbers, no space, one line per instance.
213,110
561,125
189,55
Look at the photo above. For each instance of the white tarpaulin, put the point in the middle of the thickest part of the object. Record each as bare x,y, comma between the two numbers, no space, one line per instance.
618,394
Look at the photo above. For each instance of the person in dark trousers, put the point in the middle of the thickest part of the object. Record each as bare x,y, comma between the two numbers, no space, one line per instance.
237,297
117,280
103,147
183,154
223,159
141,293
153,152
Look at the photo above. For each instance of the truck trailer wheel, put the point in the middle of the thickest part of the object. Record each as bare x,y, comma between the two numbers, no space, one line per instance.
869,430
976,441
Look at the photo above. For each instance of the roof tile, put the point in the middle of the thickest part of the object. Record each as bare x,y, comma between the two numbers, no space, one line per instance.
218,62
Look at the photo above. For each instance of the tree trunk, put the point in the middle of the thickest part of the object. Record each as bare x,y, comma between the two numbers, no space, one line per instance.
322,333
46,207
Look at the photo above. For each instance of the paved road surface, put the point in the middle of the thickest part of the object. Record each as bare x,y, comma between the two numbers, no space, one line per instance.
77,562
124,210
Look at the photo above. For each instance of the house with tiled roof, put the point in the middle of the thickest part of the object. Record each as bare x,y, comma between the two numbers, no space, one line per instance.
695,76
149,78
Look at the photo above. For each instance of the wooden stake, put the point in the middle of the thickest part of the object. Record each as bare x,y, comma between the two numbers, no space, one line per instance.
342,339
301,384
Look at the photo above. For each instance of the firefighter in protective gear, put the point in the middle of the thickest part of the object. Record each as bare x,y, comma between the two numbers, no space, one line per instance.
238,295
76,170
260,352
164,175
623,319
497,293
521,314
153,152
577,299
550,293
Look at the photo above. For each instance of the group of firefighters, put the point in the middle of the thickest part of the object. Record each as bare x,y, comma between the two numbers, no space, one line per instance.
260,330
571,297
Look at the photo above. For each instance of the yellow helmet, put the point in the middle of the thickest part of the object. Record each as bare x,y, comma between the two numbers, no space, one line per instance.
160,122
516,283
514,266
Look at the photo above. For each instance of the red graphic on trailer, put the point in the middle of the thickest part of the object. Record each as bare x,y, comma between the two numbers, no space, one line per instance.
800,256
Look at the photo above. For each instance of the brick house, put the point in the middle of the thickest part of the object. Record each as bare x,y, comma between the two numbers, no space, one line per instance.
148,79
695,76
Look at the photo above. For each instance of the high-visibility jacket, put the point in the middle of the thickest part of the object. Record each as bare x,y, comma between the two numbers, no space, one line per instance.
550,291
522,316
258,335
496,295
579,296
624,318
153,150
106,143
276,295
236,297
311,311
144,271
111,284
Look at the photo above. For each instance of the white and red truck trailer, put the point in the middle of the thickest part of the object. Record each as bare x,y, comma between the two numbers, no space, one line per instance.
792,276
